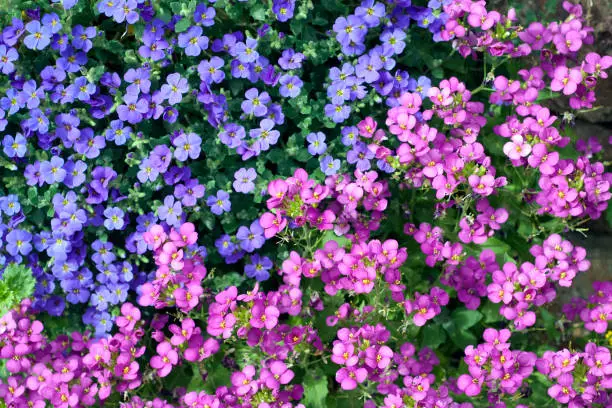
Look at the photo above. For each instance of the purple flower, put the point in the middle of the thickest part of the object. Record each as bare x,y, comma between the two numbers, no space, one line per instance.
40,36
52,22
18,242
232,135
210,70
360,155
317,143
118,133
15,146
395,39
283,9
114,218
220,203
330,166
7,56
246,51
10,204
255,103
371,12
134,108
75,173
244,178
193,41
338,113
259,268
81,37
170,211
368,67
52,171
291,59
204,15
174,89
225,246
138,80
291,86
147,172
189,192
187,146
265,135
32,95
349,29
251,238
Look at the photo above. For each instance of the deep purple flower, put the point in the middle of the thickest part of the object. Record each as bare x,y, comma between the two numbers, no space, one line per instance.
204,15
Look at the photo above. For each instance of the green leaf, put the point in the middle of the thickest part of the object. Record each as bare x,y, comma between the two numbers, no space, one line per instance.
432,335
315,390
182,25
17,283
259,12
464,318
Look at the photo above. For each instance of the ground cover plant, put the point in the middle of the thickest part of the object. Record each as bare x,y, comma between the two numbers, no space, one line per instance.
297,203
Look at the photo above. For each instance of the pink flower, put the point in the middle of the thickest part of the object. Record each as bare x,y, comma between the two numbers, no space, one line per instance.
130,315
349,377
566,79
155,236
378,358
517,148
272,224
367,127
182,334
186,235
597,65
471,383
219,325
164,360
277,190
277,374
482,185
188,297
242,380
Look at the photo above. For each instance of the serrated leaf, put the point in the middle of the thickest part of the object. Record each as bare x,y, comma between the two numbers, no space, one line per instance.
315,390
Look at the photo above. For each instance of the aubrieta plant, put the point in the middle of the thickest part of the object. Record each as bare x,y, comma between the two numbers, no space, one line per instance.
298,203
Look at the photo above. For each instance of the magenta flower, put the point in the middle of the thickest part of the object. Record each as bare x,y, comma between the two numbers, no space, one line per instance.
350,377
471,383
277,374
566,80
272,223
164,360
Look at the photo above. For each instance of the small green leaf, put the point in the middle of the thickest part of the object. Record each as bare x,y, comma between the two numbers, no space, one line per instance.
182,25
